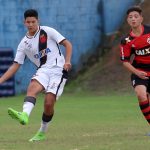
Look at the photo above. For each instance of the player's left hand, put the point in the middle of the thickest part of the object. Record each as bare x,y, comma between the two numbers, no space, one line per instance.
67,66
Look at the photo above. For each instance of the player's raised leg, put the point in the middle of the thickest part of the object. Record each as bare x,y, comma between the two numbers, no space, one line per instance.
29,102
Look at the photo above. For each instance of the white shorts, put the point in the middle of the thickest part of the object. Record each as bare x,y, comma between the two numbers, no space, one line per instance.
52,79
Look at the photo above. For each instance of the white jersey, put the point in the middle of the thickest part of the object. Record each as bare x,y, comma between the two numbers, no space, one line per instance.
29,46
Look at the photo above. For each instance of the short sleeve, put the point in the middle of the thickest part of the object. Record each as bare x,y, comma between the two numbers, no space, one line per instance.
55,35
125,51
20,55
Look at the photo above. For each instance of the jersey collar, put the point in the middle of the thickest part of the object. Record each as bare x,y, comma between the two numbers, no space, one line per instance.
133,35
30,37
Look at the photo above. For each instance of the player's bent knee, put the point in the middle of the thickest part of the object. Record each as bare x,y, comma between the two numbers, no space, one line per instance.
141,96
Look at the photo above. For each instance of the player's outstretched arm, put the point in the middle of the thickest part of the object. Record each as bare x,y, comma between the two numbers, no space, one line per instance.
68,47
10,72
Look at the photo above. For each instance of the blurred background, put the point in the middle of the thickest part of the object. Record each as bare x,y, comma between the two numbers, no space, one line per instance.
93,26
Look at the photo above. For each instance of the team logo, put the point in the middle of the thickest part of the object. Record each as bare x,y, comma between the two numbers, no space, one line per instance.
25,42
29,46
54,85
148,40
42,38
127,39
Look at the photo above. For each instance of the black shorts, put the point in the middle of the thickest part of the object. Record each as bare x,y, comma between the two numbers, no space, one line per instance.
138,81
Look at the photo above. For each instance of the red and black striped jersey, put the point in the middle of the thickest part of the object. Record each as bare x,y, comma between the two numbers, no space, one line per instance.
139,46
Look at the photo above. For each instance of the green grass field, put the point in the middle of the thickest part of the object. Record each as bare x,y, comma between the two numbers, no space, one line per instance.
81,122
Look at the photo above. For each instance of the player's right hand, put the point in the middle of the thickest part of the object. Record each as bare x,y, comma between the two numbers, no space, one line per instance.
142,74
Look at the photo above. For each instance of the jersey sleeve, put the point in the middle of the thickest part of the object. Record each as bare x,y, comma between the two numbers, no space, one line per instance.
20,55
56,36
125,50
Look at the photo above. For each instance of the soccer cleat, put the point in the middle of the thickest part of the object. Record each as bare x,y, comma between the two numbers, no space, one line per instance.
22,117
39,136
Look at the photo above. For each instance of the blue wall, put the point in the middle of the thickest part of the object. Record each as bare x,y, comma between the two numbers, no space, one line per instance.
81,21
113,14
77,20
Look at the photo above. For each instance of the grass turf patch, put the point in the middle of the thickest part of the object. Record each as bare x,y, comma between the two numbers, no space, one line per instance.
81,122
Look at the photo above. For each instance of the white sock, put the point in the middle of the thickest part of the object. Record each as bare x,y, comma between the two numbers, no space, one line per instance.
27,107
44,126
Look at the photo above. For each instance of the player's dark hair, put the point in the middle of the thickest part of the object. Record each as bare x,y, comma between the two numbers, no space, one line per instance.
134,8
30,13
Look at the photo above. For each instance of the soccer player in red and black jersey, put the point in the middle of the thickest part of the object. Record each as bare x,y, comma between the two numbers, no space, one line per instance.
137,43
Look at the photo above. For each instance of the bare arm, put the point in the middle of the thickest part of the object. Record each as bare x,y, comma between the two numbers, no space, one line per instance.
140,74
68,47
10,72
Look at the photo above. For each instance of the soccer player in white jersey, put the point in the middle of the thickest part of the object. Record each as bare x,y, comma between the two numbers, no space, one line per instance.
41,46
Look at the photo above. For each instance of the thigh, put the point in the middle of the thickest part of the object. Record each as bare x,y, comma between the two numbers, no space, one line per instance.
34,88
140,87
42,76
141,90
